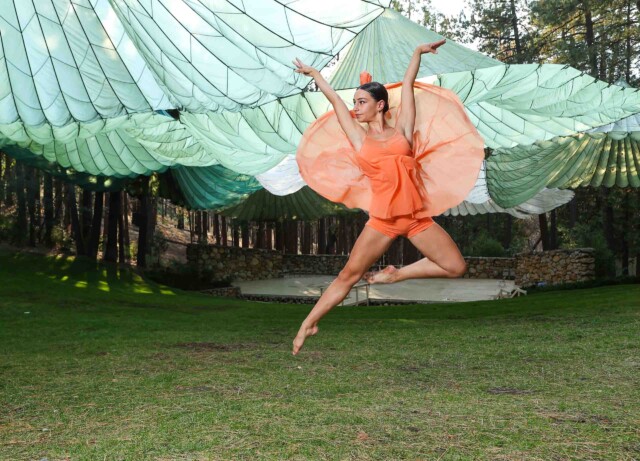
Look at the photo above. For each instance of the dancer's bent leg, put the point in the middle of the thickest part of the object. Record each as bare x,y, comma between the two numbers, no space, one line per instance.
442,259
370,245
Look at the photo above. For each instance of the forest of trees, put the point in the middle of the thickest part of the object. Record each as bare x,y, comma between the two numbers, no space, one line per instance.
599,38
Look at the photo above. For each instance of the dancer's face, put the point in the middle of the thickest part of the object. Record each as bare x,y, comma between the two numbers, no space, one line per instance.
365,107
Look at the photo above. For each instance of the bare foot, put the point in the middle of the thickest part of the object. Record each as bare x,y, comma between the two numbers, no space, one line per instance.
303,333
386,275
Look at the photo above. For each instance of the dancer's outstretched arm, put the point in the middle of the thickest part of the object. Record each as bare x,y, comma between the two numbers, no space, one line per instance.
407,117
351,127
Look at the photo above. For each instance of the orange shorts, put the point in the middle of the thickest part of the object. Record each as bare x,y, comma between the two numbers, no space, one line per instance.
400,225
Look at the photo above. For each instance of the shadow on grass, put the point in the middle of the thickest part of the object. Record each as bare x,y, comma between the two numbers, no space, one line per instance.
72,272
65,281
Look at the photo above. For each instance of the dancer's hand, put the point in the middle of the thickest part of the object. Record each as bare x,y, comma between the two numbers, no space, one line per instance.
302,68
431,47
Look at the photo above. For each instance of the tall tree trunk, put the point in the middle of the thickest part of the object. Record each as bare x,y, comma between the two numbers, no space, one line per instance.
105,222
544,231
8,179
198,226
86,209
260,235
244,228
516,33
191,226
216,228
269,237
33,197
573,212
508,234
3,160
180,224
147,225
628,47
72,208
306,237
48,209
111,244
22,226
201,227
291,237
223,230
122,256
607,219
590,38
553,231
96,226
322,239
205,229
343,243
125,217
235,232
280,236
58,203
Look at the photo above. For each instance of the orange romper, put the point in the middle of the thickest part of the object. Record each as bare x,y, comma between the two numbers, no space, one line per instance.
396,208
401,187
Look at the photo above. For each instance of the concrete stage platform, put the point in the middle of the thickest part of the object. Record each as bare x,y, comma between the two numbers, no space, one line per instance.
424,290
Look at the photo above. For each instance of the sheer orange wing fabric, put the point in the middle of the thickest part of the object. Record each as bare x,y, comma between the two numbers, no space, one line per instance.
435,175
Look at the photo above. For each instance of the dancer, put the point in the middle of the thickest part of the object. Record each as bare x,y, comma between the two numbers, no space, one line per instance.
403,162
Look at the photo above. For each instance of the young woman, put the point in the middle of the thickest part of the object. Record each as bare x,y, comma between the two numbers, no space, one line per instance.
401,168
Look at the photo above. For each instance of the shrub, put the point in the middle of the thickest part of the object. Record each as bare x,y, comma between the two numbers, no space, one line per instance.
587,236
7,228
484,245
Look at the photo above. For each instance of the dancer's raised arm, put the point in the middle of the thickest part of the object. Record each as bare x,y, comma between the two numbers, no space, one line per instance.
351,127
407,117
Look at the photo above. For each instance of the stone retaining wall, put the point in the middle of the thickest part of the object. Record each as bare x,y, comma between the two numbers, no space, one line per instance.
314,299
555,267
490,268
227,292
527,269
314,264
232,263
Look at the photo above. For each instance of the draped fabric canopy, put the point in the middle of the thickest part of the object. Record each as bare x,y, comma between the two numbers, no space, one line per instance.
84,60
608,156
81,81
85,86
510,105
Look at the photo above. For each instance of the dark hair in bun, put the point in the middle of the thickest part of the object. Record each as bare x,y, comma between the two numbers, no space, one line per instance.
378,92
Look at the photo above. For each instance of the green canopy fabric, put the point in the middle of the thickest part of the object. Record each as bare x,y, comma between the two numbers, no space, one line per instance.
214,187
86,181
596,159
510,105
82,60
304,205
273,130
384,49
225,55
307,205
82,82
544,201
521,104
125,146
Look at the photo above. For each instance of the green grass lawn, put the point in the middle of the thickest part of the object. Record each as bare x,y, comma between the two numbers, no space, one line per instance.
98,364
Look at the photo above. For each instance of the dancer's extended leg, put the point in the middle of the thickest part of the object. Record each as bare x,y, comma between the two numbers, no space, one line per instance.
370,245
442,259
